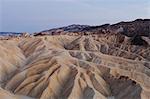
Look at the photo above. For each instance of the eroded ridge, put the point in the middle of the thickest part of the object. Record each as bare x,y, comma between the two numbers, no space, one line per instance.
73,67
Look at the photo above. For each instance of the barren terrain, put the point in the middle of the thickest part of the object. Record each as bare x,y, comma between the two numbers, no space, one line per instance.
96,66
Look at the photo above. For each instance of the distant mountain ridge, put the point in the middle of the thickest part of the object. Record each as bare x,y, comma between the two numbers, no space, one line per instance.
9,34
137,27
69,28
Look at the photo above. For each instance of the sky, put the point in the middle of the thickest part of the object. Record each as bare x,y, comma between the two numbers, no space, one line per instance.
37,15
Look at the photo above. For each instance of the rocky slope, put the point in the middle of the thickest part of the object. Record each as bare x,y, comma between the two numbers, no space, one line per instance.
78,62
74,67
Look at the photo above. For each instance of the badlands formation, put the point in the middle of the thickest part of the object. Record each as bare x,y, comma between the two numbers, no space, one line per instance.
104,66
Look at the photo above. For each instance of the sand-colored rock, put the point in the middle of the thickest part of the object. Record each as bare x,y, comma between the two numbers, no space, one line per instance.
73,67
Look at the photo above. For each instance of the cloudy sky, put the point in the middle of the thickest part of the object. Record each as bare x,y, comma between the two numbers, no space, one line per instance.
36,15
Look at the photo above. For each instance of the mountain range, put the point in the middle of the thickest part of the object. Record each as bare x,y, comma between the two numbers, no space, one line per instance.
78,62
